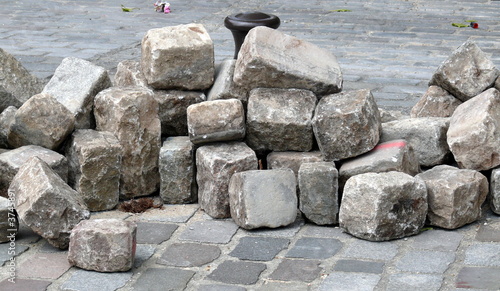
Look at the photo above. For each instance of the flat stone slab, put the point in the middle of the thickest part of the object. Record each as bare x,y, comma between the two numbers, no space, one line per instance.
425,262
219,287
478,278
4,252
360,249
402,281
163,279
359,266
210,231
83,280
237,272
154,233
485,254
314,248
437,240
297,270
189,255
346,281
25,284
487,233
36,266
259,248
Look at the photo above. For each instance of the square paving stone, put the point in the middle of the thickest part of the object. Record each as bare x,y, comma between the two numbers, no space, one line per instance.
24,285
324,231
437,240
421,282
36,266
154,233
237,272
210,231
479,278
259,248
362,249
340,281
218,287
163,279
142,254
189,255
288,286
485,254
297,270
359,266
5,248
315,248
425,261
488,233
83,280
171,213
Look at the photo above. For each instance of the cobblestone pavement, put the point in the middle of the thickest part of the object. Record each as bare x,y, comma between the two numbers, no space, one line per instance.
389,46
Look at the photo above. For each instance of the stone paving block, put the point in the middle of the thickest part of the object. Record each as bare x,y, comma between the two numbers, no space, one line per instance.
259,248
143,253
24,284
297,270
237,272
436,102
361,249
36,266
421,282
484,254
359,266
478,278
487,233
314,248
287,231
163,279
189,255
224,86
437,240
154,233
289,286
210,231
48,248
171,213
83,280
425,261
219,287
4,252
311,230
350,281
129,73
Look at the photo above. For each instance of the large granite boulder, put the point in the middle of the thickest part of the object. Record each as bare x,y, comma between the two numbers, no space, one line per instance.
436,102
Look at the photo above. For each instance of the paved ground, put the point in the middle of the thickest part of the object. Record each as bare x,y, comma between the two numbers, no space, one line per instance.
389,46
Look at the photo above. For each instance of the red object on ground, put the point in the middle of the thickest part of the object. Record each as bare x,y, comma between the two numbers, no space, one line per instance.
474,25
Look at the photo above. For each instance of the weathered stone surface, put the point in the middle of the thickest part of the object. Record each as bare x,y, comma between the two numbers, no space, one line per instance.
216,121
427,136
436,102
263,198
46,203
95,159
280,119
474,133
173,106
9,223
178,171
16,84
215,165
6,119
132,115
396,155
129,74
11,161
318,199
178,57
42,121
455,195
495,190
271,59
346,124
497,83
466,73
391,115
224,86
103,245
383,206
292,160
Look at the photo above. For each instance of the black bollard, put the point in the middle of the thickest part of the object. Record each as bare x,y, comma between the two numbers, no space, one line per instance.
241,23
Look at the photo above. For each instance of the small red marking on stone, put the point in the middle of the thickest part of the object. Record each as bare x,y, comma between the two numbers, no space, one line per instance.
397,144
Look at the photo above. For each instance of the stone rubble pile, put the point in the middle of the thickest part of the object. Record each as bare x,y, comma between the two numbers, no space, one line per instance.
275,135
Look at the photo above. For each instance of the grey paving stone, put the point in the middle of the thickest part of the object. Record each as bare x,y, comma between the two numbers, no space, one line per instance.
359,266
25,235
297,270
210,231
362,249
485,254
425,261
314,248
171,213
24,285
83,280
259,248
189,255
437,240
143,253
478,278
324,231
340,281
421,282
163,279
287,231
48,248
218,287
488,233
6,252
154,233
288,286
237,272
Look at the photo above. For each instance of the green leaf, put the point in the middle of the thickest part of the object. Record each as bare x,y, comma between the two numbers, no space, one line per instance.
470,21
426,229
126,9
341,10
460,25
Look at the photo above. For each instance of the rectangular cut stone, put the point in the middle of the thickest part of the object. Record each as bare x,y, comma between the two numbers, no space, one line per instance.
269,58
178,171
11,161
495,190
346,124
6,118
45,203
280,119
131,114
75,84
129,74
436,102
95,159
215,165
318,199
224,86
173,105
263,198
216,121
292,160
178,57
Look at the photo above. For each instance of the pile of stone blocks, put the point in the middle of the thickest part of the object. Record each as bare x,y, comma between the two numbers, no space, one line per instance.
275,137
